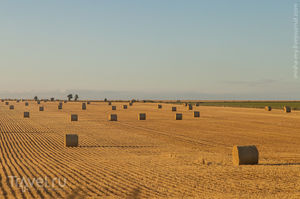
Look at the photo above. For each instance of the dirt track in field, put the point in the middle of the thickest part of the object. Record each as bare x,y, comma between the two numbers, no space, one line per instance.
156,158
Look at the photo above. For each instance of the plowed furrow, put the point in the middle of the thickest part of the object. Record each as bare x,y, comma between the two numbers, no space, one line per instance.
33,164
10,168
36,151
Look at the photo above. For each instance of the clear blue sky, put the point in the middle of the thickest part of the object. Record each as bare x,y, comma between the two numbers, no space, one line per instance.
215,47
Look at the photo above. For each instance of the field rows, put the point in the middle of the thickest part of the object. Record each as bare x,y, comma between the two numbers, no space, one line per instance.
156,158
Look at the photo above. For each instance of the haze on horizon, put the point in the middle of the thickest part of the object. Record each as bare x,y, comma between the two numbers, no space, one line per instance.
180,49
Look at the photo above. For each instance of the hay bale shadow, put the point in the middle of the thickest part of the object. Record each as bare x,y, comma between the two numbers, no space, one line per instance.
135,194
75,194
280,164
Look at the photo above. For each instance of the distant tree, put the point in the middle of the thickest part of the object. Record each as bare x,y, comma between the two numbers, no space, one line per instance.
70,96
76,97
52,99
36,98
105,100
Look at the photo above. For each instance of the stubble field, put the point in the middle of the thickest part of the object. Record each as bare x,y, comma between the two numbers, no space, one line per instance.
156,158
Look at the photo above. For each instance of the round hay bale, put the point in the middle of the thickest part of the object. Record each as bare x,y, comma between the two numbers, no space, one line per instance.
38,102
196,114
6,103
88,102
268,108
178,116
11,107
190,107
83,106
41,108
124,106
74,118
26,114
197,104
71,140
109,103
159,106
174,109
113,117
245,155
26,104
59,107
113,108
130,104
287,109
142,116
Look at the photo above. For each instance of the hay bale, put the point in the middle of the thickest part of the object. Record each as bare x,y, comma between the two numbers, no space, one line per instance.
65,101
197,104
38,102
178,116
142,116
245,155
268,108
11,107
18,101
88,102
71,140
113,108
109,103
159,106
124,106
185,104
196,114
26,103
7,103
130,104
83,106
113,117
190,107
59,107
41,108
74,118
26,114
287,109
174,109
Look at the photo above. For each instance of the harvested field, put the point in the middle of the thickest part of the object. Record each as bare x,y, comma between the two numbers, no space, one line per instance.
295,105
157,158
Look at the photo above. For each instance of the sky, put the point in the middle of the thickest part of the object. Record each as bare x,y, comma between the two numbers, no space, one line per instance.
155,49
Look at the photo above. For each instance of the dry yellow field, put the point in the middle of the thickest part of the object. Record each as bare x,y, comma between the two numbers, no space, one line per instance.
156,158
